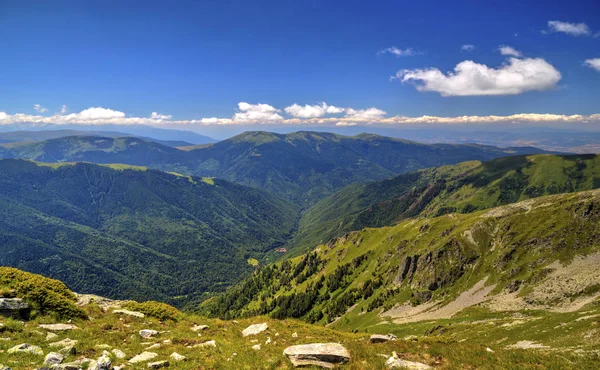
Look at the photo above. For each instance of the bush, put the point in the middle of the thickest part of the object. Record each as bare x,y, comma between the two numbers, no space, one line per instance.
161,311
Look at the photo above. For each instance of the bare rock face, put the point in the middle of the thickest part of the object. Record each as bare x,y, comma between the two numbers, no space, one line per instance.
15,308
379,338
255,329
325,355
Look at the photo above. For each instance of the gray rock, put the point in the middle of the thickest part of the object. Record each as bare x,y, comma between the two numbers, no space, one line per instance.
26,348
158,364
51,336
15,308
63,343
53,358
143,357
255,329
379,338
130,313
118,353
102,363
57,327
177,357
317,354
197,328
68,350
2,367
148,333
396,362
210,343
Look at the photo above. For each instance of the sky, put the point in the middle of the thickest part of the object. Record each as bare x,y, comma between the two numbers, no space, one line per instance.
200,64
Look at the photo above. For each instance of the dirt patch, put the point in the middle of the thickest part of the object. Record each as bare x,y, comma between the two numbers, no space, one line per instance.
435,310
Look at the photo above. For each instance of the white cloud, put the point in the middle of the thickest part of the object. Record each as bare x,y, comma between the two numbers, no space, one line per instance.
469,78
509,50
365,114
156,115
467,47
63,109
573,29
256,112
408,52
353,117
312,111
593,63
39,108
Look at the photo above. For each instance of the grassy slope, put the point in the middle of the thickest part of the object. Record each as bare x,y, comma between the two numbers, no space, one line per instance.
132,232
464,187
234,351
505,244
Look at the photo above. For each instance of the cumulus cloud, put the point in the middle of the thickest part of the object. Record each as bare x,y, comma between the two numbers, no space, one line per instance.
156,115
256,112
39,108
312,111
469,78
467,47
593,63
97,113
365,114
573,29
509,50
408,52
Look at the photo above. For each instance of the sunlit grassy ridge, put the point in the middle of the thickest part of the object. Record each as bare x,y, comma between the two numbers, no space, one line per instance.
101,331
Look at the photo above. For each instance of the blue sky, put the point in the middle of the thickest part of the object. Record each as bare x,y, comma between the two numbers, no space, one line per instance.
189,60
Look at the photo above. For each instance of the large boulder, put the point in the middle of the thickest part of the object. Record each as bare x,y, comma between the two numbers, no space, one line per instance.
317,354
15,308
255,329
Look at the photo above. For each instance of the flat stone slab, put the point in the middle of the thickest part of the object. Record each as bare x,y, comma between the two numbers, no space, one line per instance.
143,357
317,354
57,327
26,348
63,343
255,329
148,333
394,362
197,328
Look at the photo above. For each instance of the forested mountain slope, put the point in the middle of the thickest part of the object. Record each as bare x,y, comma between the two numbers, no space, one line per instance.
538,254
131,232
463,188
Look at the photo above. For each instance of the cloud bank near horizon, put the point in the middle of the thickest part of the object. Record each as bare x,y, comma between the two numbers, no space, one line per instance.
320,114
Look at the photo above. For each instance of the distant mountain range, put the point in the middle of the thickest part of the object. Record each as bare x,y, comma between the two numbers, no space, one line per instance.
302,167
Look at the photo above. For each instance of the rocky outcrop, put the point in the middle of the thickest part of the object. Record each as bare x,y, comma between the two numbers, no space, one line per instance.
325,355
53,358
255,329
130,313
15,308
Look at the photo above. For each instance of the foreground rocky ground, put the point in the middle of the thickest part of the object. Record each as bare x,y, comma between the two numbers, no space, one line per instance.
113,337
